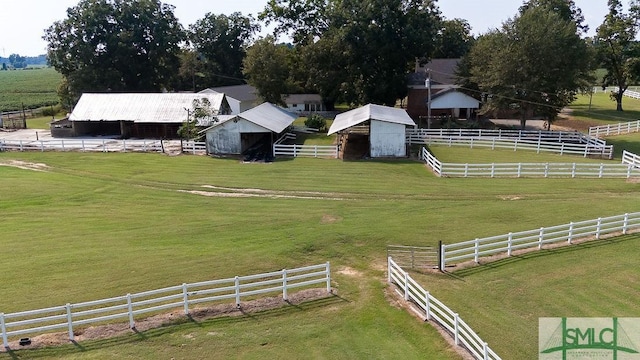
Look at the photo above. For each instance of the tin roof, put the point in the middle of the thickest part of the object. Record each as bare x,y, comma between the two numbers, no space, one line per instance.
142,107
370,112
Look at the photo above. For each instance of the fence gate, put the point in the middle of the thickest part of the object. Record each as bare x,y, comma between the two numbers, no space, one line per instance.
414,257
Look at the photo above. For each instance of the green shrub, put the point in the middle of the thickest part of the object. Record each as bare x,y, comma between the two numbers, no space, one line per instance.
316,121
51,110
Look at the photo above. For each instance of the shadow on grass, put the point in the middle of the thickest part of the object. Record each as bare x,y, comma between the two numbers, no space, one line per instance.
184,324
535,254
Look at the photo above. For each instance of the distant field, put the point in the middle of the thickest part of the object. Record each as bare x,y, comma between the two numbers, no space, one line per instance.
603,109
32,88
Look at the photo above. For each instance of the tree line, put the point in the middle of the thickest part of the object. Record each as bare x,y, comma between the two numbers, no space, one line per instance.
348,51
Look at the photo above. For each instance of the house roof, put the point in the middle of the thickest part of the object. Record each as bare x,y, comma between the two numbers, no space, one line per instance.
452,98
141,107
239,92
442,72
370,112
266,115
302,99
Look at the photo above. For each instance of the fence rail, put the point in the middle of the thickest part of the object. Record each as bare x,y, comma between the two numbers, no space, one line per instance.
129,306
433,309
103,145
507,243
194,147
546,170
630,159
305,150
540,141
615,129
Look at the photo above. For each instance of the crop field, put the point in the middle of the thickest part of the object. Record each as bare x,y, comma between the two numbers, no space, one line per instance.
31,88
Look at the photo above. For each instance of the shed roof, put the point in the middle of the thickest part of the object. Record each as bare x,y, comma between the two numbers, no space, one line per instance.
370,112
239,92
141,107
266,115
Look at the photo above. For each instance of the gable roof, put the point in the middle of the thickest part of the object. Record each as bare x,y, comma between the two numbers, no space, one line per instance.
141,107
370,112
266,115
442,72
452,98
239,92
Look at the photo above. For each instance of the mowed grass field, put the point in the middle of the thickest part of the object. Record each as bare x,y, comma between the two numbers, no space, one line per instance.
32,88
100,225
603,109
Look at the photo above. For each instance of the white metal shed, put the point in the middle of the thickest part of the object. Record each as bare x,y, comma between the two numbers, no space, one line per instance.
385,127
236,133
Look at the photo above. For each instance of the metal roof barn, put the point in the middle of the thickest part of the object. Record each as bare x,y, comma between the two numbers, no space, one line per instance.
254,128
384,128
138,114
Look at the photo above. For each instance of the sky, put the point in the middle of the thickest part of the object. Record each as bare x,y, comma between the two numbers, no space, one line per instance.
23,22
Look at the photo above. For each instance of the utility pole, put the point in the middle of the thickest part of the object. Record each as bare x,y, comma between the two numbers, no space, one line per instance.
427,84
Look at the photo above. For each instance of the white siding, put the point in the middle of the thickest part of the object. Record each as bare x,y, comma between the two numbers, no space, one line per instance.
455,100
387,139
225,138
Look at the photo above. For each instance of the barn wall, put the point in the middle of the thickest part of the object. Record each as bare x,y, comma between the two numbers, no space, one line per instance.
225,138
387,139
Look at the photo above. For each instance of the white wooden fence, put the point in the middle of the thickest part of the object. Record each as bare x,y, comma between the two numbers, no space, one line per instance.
101,145
615,129
433,309
302,150
414,257
71,316
546,170
536,238
194,147
305,150
630,159
539,141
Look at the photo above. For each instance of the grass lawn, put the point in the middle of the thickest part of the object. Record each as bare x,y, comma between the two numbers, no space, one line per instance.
461,154
603,109
102,225
503,300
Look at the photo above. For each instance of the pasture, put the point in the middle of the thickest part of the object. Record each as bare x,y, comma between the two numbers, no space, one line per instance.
31,88
603,109
100,225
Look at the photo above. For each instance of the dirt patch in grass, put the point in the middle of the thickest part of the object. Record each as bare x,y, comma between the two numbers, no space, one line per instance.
261,193
25,165
197,314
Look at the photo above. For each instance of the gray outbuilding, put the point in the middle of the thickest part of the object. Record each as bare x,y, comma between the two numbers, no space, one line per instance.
253,130
381,129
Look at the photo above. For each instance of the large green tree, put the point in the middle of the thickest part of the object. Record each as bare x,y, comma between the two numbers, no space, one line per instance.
453,40
116,45
267,67
618,50
566,9
221,42
368,45
535,64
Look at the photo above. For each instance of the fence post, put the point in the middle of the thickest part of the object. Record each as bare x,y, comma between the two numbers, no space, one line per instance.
570,237
3,328
104,146
389,269
455,328
601,170
427,305
440,256
598,228
284,285
546,170
625,224
509,244
519,169
466,170
540,238
493,169
485,350
328,277
69,321
237,286
124,145
185,298
476,250
41,146
132,324
406,286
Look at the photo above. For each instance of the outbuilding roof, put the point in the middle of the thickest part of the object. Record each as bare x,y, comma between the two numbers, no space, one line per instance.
370,112
142,107
266,115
